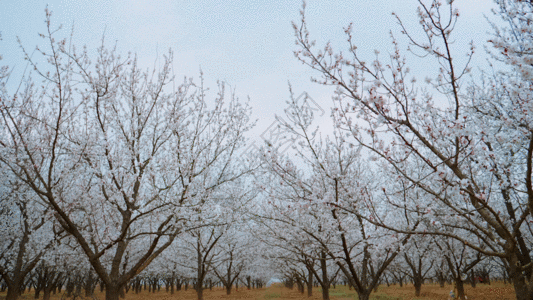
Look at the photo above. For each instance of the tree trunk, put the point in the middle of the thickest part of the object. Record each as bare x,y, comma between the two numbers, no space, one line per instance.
121,292
90,284
363,295
460,289
172,285
200,292
309,282
13,292
325,279
138,286
300,285
441,279
417,282
522,289
37,292
112,292
78,285
69,288
46,294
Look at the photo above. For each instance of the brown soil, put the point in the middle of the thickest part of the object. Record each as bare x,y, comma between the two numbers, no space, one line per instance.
496,291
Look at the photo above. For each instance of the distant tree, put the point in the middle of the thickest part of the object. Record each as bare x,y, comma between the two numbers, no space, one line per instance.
234,249
419,258
460,260
197,252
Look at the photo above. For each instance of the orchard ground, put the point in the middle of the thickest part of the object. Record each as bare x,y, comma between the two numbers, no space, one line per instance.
495,291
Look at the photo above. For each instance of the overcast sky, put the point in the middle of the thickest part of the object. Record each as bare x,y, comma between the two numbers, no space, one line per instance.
247,43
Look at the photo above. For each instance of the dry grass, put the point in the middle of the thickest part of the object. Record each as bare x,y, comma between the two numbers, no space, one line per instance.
496,291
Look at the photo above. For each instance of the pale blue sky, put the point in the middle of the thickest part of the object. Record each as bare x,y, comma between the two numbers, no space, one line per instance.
248,43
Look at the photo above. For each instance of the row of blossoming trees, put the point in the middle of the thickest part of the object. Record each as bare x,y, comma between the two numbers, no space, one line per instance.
114,163
138,177
443,166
